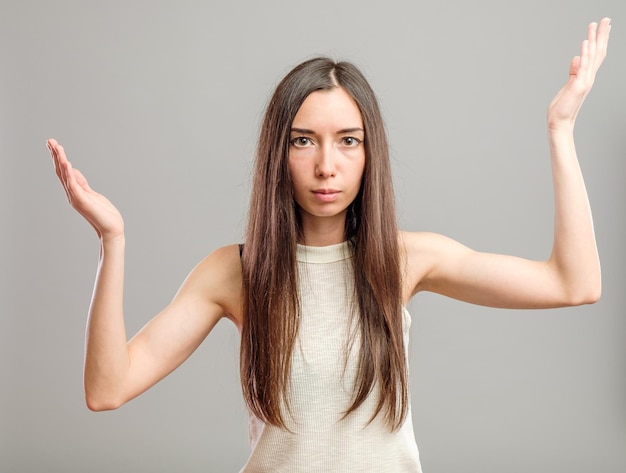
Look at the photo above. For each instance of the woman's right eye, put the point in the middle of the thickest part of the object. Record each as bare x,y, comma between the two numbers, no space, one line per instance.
301,141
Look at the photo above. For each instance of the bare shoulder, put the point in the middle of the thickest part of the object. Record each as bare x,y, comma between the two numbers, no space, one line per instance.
424,243
217,280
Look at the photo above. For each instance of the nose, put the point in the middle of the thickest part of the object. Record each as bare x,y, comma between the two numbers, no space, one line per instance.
326,162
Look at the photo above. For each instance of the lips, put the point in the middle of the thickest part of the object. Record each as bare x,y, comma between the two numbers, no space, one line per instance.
326,195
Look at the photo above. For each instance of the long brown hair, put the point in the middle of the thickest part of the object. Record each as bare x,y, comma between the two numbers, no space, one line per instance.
270,279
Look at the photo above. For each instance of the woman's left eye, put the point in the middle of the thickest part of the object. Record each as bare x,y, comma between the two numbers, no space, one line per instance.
351,141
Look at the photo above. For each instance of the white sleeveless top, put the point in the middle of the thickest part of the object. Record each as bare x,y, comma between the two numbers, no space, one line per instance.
322,384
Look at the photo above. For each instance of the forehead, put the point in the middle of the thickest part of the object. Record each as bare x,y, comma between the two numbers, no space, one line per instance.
330,110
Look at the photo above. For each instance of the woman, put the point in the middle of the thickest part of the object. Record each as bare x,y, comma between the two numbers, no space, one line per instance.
318,290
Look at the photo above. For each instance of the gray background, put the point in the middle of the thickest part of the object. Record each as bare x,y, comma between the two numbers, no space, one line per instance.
158,103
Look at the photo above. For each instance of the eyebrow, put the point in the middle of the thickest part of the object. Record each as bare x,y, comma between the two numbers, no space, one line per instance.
340,132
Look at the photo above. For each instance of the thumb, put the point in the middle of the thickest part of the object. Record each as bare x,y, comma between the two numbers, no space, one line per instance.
81,180
574,66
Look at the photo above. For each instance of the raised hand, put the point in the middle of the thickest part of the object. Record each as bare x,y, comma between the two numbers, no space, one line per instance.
95,208
564,108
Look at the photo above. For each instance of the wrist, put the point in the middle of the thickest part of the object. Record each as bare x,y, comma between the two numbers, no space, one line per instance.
560,125
560,129
113,241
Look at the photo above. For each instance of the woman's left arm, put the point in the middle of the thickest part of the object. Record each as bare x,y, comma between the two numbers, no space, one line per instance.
571,275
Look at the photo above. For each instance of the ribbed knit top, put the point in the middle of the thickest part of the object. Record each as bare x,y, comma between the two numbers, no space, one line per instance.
323,373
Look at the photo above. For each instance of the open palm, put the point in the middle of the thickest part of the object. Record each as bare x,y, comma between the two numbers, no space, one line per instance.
94,207
564,108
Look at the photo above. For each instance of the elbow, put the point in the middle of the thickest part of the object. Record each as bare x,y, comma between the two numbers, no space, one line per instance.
103,393
593,295
578,287
100,403
589,294
594,289
583,299
96,406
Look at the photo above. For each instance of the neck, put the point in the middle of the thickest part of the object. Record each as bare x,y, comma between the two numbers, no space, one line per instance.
323,231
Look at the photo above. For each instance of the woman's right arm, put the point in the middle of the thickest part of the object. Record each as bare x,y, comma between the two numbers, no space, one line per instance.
116,370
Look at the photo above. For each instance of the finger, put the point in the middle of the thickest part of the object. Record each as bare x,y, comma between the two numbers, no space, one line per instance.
55,162
58,166
58,155
51,144
592,30
604,29
584,59
66,171
592,33
72,185
61,166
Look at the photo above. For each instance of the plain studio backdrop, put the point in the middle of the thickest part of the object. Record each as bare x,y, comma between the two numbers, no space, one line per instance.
159,103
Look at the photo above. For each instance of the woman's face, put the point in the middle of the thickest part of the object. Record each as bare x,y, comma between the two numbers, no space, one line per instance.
326,156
